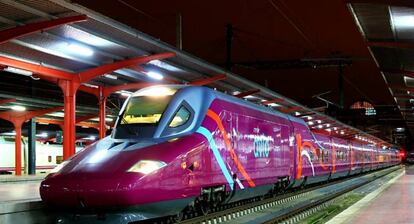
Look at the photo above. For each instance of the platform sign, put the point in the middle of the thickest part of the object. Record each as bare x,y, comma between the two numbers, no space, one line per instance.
59,137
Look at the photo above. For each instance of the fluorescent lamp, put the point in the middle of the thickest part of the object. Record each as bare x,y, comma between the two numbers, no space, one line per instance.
106,119
18,108
13,133
310,122
124,93
404,21
42,135
156,91
155,75
320,126
109,76
274,105
80,50
18,71
297,114
57,114
90,85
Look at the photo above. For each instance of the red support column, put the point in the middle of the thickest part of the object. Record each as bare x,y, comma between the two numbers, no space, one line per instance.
69,89
102,112
18,148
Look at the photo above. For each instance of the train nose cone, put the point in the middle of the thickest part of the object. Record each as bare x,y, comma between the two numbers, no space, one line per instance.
88,191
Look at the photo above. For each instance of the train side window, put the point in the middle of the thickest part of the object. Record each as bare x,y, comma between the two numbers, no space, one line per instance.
180,117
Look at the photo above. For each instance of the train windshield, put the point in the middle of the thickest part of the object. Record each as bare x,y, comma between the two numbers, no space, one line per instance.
144,111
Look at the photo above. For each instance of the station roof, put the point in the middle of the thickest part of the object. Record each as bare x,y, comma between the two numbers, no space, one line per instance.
100,40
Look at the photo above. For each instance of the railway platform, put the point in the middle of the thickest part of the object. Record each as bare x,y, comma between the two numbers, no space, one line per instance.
391,203
18,195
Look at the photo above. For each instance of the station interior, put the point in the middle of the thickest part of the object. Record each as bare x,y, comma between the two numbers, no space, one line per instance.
270,111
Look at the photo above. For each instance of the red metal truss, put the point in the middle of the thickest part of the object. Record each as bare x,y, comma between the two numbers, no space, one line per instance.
60,122
207,81
85,117
290,109
71,82
405,45
18,118
247,93
5,101
277,100
86,76
37,69
89,125
19,31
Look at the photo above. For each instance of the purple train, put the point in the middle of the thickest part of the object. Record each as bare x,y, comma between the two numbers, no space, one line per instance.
175,147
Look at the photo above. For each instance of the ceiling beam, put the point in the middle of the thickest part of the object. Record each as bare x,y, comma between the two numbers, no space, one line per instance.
87,75
19,31
391,44
206,81
5,101
247,93
403,3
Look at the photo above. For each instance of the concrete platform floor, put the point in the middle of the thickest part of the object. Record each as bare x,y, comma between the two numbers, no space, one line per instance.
20,188
19,191
395,204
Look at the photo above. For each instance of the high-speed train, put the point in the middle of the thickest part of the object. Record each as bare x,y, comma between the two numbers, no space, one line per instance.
175,147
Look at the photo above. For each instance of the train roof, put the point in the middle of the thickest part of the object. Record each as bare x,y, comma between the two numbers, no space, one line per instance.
349,131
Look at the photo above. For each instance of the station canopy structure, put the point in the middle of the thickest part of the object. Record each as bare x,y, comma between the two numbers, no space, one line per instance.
388,29
80,50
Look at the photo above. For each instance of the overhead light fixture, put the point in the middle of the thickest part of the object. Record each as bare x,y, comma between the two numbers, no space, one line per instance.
328,125
109,76
320,126
90,85
319,121
403,21
342,132
310,118
106,119
164,65
42,135
18,108
310,122
57,114
13,133
156,91
155,75
18,71
80,50
274,105
328,129
124,93
297,113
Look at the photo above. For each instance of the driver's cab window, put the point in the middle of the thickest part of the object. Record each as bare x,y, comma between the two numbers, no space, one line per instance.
180,118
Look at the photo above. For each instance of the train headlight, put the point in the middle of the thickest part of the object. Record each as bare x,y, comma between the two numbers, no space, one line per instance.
146,166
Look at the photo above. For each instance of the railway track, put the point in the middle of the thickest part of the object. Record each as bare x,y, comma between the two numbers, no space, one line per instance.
287,208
